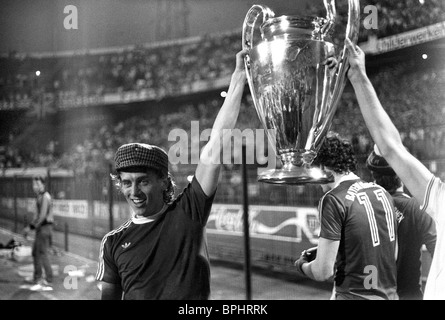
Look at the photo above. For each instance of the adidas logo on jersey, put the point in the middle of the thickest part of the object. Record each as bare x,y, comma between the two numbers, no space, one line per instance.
126,245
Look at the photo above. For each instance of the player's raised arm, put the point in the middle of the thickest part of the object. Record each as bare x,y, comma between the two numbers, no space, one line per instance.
207,171
384,133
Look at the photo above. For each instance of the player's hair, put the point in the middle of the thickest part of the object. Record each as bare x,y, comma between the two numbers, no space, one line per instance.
168,193
336,154
390,182
39,177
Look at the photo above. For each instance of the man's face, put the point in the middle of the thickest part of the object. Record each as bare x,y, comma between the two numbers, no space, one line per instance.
38,186
143,192
327,186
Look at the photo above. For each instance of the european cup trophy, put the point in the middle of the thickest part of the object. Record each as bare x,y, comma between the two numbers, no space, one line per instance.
294,92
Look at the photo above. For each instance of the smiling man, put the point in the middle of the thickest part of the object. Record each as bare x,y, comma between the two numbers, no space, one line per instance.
161,252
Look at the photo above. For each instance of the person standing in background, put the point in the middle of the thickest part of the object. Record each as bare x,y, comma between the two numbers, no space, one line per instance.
42,224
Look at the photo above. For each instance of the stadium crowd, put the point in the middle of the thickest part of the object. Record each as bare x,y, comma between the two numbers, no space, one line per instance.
415,111
393,17
163,69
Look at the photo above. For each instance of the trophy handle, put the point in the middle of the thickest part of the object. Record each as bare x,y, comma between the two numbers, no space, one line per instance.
338,80
331,14
250,22
352,29
249,28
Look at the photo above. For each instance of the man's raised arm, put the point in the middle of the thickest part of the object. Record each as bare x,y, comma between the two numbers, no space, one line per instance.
384,133
207,171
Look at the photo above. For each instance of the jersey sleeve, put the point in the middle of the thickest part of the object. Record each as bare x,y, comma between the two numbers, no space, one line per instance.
195,202
107,269
426,227
434,200
331,218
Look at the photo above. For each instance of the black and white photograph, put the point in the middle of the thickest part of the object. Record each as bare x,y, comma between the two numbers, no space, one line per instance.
224,155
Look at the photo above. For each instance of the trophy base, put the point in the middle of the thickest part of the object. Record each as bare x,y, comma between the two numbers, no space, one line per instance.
296,175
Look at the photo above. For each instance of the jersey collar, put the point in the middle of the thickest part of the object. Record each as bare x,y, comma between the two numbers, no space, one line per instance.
142,220
346,177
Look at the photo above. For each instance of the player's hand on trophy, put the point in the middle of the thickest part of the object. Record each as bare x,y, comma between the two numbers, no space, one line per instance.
331,62
356,60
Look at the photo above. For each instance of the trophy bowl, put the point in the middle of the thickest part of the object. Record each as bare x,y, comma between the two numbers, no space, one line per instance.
294,91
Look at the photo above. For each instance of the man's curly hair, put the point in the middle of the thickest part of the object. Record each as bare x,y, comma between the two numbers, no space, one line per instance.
336,154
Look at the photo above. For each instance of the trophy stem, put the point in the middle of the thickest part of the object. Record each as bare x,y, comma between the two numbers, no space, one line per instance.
292,174
296,170
297,158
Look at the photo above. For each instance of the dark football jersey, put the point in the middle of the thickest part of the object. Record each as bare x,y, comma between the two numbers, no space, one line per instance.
166,258
361,216
416,228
